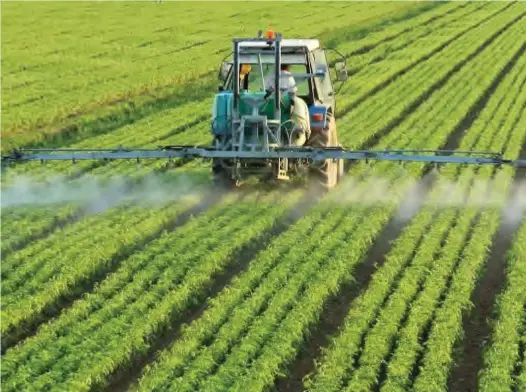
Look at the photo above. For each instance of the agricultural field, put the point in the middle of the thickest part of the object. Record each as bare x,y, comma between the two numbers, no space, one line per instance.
134,276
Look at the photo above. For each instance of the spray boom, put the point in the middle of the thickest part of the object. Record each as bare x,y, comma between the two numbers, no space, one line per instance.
306,153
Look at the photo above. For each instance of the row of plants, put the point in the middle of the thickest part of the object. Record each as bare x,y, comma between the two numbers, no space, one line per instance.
120,139
447,325
485,134
155,60
332,373
161,128
28,223
421,309
127,136
354,42
415,29
502,355
251,361
398,65
412,88
37,276
148,132
408,22
148,291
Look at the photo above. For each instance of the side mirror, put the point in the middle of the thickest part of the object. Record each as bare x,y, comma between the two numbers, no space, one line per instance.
224,70
341,72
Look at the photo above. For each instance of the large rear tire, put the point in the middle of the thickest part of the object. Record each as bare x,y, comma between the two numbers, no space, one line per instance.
327,173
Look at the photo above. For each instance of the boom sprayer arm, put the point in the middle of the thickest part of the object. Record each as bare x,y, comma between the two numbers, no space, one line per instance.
291,152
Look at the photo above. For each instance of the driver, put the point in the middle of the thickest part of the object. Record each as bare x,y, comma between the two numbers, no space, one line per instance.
299,110
286,80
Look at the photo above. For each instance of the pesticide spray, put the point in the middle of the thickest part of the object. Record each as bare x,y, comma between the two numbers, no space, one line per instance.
97,194
411,194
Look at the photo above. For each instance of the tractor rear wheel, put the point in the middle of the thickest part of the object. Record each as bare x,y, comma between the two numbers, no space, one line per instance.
327,173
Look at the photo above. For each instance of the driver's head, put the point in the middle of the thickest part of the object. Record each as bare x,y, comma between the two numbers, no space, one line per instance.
285,67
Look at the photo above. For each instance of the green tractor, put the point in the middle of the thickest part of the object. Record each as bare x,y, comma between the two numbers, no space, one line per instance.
276,93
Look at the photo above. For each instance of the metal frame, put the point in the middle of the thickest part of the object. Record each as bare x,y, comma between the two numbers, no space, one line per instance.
271,128
308,153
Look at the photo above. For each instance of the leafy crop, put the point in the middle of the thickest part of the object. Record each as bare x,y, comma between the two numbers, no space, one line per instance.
226,291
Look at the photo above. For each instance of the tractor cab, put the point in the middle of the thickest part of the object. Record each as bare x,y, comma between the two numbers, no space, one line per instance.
297,55
307,62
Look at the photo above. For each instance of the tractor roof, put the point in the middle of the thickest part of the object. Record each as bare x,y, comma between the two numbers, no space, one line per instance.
310,44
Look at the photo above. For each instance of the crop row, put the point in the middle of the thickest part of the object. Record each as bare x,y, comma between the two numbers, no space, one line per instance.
148,132
385,215
441,276
354,80
505,368
408,280
187,137
367,121
503,354
398,64
498,121
253,362
391,65
417,28
175,269
106,84
35,277
43,136
22,224
355,43
447,324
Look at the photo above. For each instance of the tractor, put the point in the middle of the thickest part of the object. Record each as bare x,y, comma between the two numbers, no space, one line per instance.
253,111
271,123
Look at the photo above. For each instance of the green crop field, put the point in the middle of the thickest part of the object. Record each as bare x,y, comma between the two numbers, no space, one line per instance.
140,276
